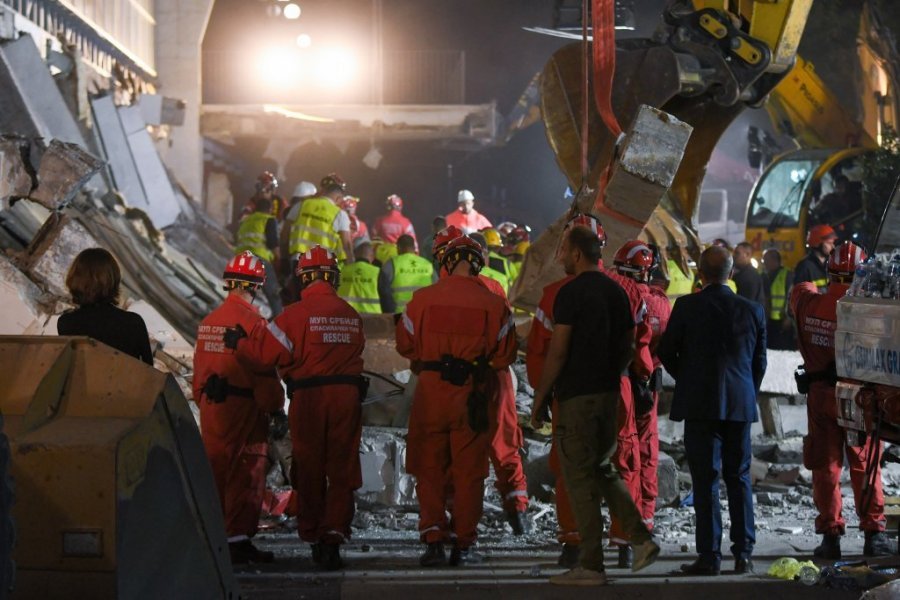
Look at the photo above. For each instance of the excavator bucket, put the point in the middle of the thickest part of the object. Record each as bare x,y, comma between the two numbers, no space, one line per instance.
646,74
114,494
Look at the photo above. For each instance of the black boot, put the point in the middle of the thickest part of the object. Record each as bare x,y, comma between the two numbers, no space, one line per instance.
434,555
626,556
830,547
464,556
518,520
879,544
244,552
331,556
569,556
316,551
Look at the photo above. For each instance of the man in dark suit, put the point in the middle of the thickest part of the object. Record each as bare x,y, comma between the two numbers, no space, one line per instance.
715,348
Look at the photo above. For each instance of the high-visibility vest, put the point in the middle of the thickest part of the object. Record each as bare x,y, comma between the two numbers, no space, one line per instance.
385,251
411,272
359,287
251,235
315,225
499,263
679,283
778,295
497,276
514,269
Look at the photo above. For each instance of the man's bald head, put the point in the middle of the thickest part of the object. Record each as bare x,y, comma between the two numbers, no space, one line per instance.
716,264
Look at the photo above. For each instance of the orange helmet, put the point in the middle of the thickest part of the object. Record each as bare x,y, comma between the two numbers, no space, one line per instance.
463,248
591,222
332,182
244,270
442,238
394,202
844,259
318,263
266,182
819,234
635,259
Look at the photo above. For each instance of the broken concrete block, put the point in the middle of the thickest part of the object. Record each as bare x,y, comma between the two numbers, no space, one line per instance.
536,464
667,474
52,251
20,300
770,415
648,160
769,499
382,455
64,169
759,470
15,178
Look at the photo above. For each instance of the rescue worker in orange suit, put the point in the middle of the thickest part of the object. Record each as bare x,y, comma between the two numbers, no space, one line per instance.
627,457
317,345
826,445
235,399
391,225
636,260
506,435
454,332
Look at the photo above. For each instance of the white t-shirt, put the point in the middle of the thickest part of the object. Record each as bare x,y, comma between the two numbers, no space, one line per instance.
341,221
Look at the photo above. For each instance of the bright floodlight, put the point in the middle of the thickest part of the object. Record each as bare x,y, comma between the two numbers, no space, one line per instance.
277,66
291,11
304,41
335,67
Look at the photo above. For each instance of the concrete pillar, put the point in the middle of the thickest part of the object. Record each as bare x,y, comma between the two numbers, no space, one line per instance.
180,25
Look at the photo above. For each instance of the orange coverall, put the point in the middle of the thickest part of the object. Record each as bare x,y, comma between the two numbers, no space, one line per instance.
319,336
455,317
825,446
235,432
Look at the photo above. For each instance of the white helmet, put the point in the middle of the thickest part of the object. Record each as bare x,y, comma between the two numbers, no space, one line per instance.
304,189
465,196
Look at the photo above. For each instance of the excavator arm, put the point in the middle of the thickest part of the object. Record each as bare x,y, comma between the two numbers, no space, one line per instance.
707,62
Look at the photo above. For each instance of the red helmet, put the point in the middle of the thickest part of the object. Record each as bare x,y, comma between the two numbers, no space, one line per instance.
463,248
394,202
819,234
266,182
635,258
442,238
521,233
332,182
592,223
318,263
349,203
245,268
844,259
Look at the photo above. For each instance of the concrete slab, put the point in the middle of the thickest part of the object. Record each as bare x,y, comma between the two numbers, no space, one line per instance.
64,169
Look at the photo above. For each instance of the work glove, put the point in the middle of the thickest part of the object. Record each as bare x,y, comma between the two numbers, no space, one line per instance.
279,427
233,335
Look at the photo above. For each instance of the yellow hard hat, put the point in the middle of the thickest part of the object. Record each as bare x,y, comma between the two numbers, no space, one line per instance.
492,237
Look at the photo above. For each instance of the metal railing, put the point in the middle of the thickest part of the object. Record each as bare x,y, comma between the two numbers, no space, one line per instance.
407,77
106,32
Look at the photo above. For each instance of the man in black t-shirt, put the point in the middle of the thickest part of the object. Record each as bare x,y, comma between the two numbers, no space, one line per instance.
591,345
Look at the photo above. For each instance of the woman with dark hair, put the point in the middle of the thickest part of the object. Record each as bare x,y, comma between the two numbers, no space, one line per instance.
93,281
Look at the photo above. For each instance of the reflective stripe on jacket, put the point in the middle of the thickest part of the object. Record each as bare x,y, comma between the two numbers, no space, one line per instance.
315,225
251,235
411,272
359,287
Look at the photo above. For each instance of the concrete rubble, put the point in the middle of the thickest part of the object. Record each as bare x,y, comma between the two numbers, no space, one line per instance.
64,170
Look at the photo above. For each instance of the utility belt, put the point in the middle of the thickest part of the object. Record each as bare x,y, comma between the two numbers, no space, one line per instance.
456,371
361,382
217,389
642,392
805,379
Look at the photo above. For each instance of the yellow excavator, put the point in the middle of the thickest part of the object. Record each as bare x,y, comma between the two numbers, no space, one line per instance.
822,181
707,62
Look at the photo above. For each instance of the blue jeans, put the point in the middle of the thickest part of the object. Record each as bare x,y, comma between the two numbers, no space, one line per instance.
714,448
